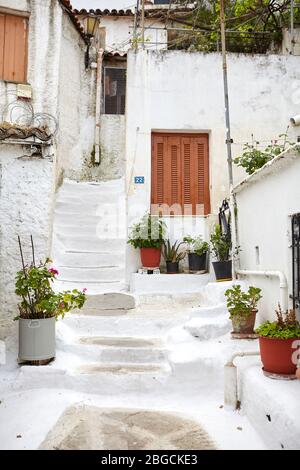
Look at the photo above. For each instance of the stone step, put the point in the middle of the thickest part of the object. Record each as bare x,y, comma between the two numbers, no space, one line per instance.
99,378
98,207
89,259
83,243
123,369
97,274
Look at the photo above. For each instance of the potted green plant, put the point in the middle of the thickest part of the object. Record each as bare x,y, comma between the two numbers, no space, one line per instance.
221,247
39,308
197,253
279,342
242,307
148,235
173,256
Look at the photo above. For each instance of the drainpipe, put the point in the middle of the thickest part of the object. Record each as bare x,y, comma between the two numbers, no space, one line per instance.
230,378
98,106
283,285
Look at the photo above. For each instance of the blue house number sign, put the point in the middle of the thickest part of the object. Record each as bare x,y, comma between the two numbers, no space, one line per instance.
139,179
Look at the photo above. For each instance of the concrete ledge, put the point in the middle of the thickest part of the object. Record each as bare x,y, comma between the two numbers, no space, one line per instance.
272,406
167,283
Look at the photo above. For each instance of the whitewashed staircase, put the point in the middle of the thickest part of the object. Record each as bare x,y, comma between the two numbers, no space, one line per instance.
89,233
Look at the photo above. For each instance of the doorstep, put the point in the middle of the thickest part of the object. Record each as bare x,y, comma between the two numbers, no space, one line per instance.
168,283
272,406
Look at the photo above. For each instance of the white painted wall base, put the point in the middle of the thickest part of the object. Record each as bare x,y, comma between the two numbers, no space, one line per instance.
167,283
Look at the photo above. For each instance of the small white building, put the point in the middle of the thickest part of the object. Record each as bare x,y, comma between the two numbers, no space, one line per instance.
268,227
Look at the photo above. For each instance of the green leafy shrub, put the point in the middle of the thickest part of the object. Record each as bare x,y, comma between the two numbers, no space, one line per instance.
241,304
196,245
150,232
38,299
286,326
220,244
172,253
253,159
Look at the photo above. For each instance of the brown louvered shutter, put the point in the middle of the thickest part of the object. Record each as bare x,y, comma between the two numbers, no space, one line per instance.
13,48
180,173
2,35
200,151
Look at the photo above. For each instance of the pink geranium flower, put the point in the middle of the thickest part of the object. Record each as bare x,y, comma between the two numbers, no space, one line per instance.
53,271
84,290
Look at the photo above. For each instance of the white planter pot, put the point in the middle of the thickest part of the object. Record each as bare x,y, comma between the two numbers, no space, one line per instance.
36,339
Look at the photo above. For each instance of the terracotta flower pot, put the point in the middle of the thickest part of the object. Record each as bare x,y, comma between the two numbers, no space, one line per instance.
244,325
150,257
277,355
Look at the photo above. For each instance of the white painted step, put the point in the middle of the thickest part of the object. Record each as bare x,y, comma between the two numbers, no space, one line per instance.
98,208
72,186
121,350
101,230
89,199
78,242
64,218
96,274
208,328
91,286
167,283
90,259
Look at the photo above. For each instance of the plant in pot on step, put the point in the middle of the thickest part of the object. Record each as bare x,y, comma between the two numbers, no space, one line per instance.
242,307
148,235
173,256
221,247
39,308
279,343
197,253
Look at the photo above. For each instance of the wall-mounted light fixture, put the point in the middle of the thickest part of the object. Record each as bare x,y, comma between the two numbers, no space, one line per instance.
90,28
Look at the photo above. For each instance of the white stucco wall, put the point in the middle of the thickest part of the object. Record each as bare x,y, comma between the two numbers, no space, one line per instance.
26,192
119,33
62,88
265,208
76,105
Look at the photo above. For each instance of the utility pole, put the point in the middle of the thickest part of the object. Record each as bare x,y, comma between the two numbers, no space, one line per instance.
143,24
135,26
292,31
233,206
226,95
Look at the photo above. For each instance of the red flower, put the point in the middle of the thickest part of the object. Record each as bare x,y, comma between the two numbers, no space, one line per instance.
53,271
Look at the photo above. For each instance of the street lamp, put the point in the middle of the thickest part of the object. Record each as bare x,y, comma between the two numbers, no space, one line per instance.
90,27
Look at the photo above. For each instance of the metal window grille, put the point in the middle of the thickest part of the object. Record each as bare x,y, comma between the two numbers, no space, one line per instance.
296,260
114,90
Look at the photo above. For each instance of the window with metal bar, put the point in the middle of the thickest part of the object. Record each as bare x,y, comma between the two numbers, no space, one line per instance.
114,90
